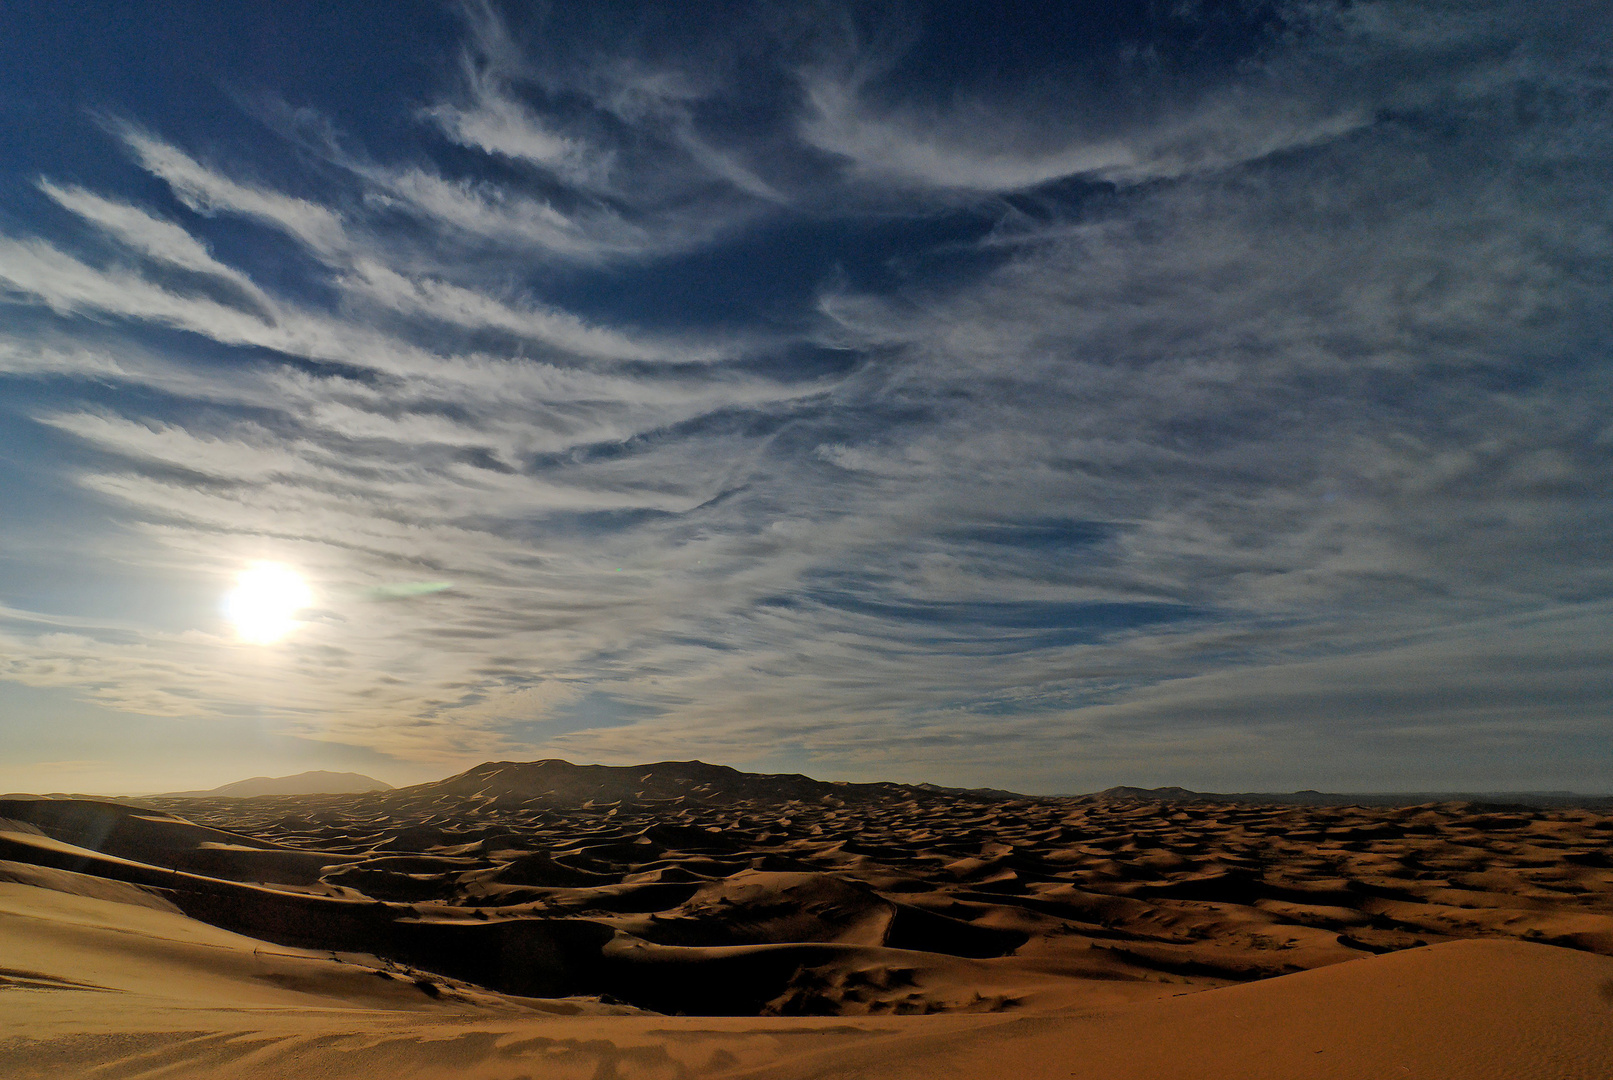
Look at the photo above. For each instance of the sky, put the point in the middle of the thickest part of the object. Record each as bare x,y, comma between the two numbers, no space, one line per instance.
1043,396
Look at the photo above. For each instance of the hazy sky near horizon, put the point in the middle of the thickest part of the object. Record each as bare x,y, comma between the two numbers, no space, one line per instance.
1046,396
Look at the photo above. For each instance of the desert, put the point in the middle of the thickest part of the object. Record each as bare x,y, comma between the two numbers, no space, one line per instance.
527,919
1036,540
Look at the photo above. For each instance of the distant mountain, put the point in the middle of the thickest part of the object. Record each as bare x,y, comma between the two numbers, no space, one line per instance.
989,793
1158,794
562,782
317,782
1310,797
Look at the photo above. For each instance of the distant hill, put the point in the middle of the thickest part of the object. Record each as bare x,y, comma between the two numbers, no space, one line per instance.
1327,798
317,782
562,782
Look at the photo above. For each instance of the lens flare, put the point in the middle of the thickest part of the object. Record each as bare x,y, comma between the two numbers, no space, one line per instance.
265,602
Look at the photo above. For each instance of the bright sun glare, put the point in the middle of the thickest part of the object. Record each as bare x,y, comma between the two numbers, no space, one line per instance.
265,601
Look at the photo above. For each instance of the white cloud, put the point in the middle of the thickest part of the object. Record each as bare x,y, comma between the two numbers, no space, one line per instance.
205,191
475,310
17,358
984,146
497,125
35,270
160,240
497,214
1508,671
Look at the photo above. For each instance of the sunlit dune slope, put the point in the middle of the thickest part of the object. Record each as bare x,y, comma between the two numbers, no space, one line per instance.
1466,1010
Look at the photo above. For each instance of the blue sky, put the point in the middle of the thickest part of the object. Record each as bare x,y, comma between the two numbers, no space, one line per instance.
1038,395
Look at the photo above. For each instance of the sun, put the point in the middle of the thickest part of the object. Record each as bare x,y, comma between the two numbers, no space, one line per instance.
265,602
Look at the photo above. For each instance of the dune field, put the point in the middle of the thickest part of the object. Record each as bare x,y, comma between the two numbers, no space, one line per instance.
686,920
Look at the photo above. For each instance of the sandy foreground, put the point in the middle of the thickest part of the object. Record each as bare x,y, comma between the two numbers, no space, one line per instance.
854,934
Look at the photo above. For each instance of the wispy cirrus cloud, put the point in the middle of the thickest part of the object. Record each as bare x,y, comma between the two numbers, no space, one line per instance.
980,147
162,241
624,170
207,191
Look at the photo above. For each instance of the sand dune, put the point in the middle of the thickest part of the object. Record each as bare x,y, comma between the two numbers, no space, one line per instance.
807,929
1469,1009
